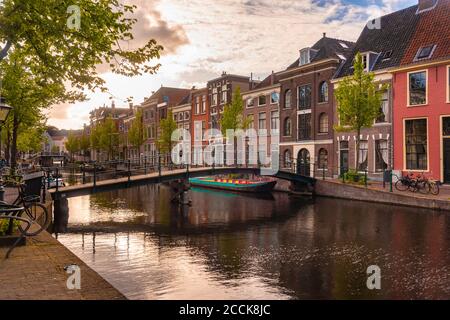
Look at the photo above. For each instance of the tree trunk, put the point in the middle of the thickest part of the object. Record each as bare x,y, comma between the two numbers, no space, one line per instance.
358,140
14,144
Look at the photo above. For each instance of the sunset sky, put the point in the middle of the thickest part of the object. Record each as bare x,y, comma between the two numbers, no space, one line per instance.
202,38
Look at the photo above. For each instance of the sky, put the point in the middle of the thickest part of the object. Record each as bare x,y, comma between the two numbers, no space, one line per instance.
203,38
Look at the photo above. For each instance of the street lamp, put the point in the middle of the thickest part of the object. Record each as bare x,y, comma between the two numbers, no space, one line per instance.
4,112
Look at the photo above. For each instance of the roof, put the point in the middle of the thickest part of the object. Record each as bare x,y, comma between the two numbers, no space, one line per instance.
166,92
327,48
396,30
269,81
432,29
186,100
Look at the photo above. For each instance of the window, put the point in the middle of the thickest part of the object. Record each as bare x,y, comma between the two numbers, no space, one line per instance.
224,97
175,116
323,159
274,97
304,56
363,155
262,121
186,115
343,45
261,100
446,127
287,159
416,144
287,130
323,92
387,55
214,99
304,126
381,155
250,102
424,52
287,99
304,97
197,105
323,123
417,85
274,119
384,108
365,60
203,104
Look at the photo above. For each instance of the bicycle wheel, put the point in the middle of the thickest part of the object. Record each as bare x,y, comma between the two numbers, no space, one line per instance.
400,186
434,188
424,187
38,215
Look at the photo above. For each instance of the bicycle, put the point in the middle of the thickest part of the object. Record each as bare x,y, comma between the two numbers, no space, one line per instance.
404,183
36,212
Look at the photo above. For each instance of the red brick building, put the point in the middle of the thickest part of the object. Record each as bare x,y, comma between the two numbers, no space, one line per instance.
422,96
200,120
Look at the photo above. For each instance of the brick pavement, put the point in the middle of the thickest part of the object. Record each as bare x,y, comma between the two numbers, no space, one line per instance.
36,272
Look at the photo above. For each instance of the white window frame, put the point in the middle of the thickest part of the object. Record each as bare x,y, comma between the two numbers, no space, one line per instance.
408,102
428,144
448,84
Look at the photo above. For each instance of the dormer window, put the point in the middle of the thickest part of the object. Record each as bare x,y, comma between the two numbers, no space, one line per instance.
305,56
343,45
387,55
425,52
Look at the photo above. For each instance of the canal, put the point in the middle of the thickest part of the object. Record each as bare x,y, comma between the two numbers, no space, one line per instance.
229,246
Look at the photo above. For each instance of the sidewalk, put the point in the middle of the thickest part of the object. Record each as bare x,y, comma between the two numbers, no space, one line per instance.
36,272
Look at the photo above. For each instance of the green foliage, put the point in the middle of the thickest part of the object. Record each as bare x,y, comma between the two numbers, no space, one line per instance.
358,101
108,136
31,139
85,143
40,30
168,126
72,144
233,114
4,224
136,132
353,176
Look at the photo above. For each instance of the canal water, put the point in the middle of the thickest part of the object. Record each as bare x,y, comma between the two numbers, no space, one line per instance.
229,246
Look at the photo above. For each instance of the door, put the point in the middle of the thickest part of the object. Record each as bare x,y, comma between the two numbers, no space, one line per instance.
303,163
344,161
447,160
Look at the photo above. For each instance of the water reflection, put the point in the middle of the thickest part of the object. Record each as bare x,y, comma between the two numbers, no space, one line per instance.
230,246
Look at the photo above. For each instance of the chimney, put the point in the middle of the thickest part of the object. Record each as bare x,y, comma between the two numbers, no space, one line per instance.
426,5
251,81
324,34
113,105
272,78
131,105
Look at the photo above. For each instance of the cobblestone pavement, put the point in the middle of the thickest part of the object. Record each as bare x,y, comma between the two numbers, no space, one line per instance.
36,272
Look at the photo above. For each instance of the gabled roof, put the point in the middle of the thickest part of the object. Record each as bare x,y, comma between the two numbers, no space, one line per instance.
327,48
433,29
394,34
186,100
167,92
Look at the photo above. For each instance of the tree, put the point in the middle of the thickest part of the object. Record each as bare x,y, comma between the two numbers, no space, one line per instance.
108,137
136,132
233,114
167,126
358,101
85,144
31,139
72,145
68,42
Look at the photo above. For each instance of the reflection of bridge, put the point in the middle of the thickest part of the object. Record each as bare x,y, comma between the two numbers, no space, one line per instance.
167,176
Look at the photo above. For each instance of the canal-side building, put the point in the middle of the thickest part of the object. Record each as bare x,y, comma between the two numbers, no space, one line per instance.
382,50
422,96
199,122
261,107
306,107
220,93
98,116
154,109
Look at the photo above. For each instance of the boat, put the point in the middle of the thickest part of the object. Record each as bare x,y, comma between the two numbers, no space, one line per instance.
52,182
237,185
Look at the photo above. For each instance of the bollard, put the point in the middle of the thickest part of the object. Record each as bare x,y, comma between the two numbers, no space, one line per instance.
391,189
57,177
145,165
84,173
323,172
384,178
129,171
365,177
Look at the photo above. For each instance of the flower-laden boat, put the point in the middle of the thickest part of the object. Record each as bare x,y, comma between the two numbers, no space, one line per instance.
237,185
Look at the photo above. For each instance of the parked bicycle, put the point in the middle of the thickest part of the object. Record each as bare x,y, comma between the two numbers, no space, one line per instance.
419,184
35,211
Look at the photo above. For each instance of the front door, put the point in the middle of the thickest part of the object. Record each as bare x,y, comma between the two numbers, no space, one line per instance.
447,160
303,163
344,161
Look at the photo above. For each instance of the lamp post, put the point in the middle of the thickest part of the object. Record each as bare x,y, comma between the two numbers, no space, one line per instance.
4,112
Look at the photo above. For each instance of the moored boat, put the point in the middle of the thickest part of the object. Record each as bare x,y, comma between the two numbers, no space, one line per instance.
237,185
